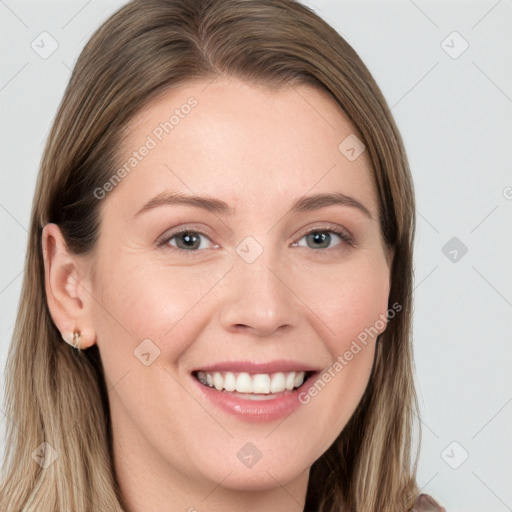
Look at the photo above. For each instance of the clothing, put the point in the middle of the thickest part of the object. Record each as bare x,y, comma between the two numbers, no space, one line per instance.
425,503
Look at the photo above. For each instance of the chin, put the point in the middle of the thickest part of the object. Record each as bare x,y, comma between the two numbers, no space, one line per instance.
260,477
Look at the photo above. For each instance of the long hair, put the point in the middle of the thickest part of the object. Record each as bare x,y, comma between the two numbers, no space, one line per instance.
58,396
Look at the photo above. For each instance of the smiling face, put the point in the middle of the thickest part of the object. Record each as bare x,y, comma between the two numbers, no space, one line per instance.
255,284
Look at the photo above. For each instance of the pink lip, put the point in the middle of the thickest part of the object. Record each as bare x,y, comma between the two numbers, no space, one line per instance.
256,411
252,367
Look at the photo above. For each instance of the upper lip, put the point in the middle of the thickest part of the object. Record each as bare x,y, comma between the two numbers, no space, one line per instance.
253,367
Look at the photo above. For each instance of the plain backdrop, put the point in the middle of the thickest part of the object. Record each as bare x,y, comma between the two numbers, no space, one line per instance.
445,69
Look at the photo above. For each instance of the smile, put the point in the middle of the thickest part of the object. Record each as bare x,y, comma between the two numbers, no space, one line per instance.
254,397
255,384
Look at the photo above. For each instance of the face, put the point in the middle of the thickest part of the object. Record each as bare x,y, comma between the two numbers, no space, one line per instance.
238,292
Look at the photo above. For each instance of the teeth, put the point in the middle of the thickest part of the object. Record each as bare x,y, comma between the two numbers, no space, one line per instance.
277,383
244,383
260,383
290,380
229,382
299,379
218,381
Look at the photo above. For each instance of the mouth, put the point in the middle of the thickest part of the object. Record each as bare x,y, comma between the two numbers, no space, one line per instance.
253,386
256,391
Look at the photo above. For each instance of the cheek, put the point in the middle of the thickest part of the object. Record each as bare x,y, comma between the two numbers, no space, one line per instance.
141,299
351,305
350,301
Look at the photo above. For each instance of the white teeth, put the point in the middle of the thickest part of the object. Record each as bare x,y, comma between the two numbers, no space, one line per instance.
229,382
290,380
299,379
218,381
244,383
278,382
261,383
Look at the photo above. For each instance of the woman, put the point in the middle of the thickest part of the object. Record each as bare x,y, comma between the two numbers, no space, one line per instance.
222,233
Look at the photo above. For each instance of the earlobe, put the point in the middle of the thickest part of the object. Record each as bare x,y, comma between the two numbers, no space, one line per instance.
68,300
73,338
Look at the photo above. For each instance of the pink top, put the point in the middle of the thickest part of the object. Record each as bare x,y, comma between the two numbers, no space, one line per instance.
425,503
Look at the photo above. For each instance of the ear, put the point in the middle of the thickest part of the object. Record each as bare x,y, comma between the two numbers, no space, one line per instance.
67,282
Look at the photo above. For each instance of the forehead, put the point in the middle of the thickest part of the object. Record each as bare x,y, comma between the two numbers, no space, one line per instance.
247,143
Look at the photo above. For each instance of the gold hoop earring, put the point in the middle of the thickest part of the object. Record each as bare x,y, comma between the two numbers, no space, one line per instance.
73,338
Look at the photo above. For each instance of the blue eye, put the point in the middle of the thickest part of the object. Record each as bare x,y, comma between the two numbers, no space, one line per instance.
322,238
187,240
318,239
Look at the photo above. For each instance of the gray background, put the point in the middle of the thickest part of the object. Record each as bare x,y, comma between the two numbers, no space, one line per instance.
454,109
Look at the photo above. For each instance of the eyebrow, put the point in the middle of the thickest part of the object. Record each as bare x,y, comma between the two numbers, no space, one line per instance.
303,204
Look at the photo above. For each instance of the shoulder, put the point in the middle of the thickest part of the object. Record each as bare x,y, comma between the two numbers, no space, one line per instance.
425,503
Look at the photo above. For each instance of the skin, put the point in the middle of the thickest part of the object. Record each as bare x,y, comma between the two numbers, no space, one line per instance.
258,150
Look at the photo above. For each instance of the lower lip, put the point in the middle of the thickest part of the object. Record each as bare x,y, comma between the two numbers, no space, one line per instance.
256,410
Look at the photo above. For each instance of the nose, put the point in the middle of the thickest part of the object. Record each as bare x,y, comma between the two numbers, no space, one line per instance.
259,298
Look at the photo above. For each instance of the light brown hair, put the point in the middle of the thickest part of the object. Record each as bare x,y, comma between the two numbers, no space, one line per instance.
58,395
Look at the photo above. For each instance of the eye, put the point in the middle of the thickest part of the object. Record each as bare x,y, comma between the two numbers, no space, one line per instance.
186,239
194,240
321,238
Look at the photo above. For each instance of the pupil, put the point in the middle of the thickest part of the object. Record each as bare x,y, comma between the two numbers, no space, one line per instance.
318,237
321,237
189,240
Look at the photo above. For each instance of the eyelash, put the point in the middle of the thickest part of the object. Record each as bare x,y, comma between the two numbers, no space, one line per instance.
346,239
